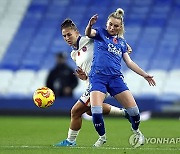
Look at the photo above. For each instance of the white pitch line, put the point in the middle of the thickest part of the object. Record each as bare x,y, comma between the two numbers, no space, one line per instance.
76,147
116,148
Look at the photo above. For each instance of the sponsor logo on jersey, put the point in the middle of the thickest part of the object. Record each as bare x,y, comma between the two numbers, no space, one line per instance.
114,49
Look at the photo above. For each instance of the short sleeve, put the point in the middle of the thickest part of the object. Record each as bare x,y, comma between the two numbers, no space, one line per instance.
98,33
73,56
124,46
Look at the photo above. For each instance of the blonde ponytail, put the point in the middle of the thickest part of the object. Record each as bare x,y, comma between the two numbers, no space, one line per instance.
119,13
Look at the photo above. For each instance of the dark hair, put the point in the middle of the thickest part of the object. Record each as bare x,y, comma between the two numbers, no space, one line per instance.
68,23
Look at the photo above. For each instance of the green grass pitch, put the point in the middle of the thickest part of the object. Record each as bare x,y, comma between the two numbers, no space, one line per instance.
36,135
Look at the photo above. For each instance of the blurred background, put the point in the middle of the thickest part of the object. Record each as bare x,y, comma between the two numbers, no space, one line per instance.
30,37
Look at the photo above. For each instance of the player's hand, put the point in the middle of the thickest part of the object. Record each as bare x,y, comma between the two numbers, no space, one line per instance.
150,80
129,49
93,20
80,74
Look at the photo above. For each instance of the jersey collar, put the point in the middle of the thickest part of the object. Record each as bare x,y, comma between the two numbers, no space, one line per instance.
114,36
78,40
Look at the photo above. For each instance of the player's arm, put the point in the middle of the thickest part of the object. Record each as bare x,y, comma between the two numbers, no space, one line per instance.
89,31
133,66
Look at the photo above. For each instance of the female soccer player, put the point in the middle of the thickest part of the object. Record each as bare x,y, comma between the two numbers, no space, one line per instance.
82,54
105,75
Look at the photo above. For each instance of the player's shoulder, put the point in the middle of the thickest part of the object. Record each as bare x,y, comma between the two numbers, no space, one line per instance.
122,40
123,43
85,39
100,30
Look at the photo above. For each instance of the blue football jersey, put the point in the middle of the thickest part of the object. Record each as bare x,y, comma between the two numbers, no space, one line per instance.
108,51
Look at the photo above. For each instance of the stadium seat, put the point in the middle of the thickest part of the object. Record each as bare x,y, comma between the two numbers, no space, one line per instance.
160,77
142,3
172,84
176,62
40,2
5,80
63,3
39,80
133,82
31,37
10,18
21,83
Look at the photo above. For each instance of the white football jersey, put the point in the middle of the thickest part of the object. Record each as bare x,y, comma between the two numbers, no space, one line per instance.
84,54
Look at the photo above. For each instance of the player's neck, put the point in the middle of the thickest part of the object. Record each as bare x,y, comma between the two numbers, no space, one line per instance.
76,45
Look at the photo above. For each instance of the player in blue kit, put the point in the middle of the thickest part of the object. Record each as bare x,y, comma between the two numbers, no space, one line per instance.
105,75
82,55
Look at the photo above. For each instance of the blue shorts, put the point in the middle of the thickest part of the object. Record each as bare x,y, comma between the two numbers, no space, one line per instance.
104,83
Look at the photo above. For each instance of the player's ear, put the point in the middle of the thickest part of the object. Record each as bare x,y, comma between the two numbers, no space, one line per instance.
77,32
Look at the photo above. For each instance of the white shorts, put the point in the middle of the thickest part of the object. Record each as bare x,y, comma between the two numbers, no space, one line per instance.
85,98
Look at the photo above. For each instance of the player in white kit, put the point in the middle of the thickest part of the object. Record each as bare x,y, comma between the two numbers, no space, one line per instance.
82,54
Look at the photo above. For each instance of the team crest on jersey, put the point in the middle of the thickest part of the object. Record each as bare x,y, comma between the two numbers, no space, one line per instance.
115,40
84,48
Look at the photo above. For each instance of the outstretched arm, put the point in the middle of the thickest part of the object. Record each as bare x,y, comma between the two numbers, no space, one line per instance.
89,31
133,66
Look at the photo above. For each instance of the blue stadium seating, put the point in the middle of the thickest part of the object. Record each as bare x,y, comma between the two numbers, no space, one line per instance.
152,29
39,32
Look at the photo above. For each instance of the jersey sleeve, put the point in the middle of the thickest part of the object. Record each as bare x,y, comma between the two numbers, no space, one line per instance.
73,56
98,33
124,46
